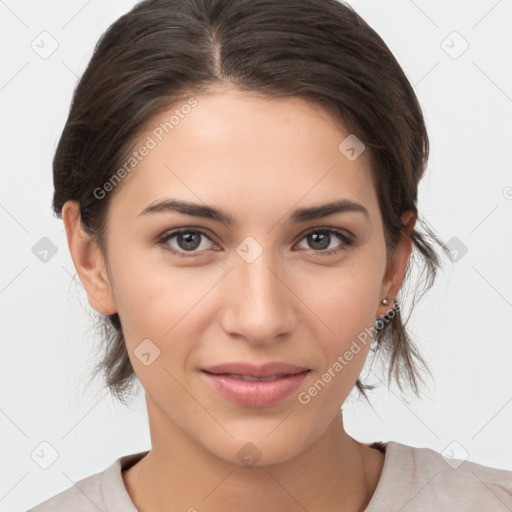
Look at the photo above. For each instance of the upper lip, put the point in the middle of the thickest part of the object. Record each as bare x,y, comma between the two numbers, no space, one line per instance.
251,370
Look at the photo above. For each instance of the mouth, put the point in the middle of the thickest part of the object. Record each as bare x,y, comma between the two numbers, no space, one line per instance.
250,378
255,386
272,369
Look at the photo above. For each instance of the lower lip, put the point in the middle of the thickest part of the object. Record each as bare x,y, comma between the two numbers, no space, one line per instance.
255,393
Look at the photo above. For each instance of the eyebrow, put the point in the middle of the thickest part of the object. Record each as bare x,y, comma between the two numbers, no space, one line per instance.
208,212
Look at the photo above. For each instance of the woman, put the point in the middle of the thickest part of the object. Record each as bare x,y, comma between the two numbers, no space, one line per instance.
238,181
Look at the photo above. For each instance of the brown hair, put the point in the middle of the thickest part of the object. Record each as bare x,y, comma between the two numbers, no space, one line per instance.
319,50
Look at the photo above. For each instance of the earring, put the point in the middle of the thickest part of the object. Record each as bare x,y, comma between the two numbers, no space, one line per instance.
384,301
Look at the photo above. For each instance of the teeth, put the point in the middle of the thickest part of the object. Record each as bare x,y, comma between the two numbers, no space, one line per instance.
250,378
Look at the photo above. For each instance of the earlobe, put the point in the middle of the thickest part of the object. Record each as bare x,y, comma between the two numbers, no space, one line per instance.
88,261
408,219
396,270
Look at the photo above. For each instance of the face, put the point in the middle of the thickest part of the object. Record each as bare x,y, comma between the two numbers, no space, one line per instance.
269,278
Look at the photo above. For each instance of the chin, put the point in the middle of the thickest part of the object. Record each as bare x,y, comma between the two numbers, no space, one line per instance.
257,450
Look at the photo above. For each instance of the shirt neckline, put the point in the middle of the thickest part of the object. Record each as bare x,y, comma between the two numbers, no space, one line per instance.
387,486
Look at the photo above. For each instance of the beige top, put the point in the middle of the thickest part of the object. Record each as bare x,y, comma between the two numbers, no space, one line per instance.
412,479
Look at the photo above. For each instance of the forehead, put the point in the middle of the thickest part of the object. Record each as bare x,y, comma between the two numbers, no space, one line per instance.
246,150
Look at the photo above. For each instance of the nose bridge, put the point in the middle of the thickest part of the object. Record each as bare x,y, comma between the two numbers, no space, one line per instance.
259,303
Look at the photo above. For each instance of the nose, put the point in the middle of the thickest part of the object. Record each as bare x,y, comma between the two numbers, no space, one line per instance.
260,307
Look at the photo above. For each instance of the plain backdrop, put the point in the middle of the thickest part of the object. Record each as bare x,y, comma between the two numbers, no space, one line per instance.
456,54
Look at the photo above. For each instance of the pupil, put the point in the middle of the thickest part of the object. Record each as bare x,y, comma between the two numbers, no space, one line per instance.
191,240
322,237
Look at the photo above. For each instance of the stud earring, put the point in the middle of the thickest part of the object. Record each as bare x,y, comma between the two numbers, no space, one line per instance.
384,301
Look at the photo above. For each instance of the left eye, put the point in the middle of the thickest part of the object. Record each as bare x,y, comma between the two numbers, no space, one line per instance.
320,240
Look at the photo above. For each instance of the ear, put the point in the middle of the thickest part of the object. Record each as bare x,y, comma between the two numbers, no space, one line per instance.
395,271
88,261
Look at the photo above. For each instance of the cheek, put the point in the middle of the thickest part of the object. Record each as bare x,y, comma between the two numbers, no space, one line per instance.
160,302
347,305
147,290
347,297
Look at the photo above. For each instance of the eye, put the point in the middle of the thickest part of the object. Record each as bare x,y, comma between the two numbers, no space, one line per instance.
320,239
185,240
194,241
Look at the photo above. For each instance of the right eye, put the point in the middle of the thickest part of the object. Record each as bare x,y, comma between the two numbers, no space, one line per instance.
185,240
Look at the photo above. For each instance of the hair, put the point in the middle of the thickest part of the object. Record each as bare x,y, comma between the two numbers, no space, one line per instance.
319,50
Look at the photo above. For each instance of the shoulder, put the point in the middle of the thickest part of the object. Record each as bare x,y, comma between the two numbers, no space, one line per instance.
84,495
103,491
422,479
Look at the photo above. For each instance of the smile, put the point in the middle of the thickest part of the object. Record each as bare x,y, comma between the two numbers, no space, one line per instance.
253,391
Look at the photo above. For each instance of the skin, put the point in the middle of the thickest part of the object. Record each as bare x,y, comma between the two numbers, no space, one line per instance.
240,153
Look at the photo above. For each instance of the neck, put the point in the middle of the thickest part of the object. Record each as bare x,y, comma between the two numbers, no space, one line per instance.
334,473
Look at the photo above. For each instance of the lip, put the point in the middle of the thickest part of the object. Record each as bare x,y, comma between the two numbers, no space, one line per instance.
264,370
227,380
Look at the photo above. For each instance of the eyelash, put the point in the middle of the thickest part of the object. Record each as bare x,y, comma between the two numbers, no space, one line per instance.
348,240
